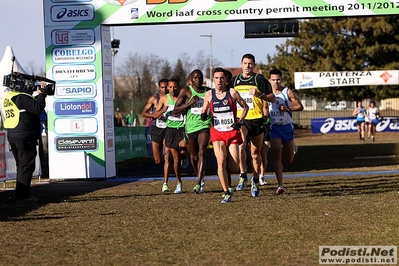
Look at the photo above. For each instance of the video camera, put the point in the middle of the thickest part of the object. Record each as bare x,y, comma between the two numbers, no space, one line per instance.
17,81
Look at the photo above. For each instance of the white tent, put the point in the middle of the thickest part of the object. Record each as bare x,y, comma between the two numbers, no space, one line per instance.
5,68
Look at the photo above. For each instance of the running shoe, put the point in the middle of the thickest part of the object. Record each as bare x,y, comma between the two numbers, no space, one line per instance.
165,188
262,181
373,138
230,191
184,163
178,189
202,186
254,189
280,190
29,200
226,199
241,183
197,189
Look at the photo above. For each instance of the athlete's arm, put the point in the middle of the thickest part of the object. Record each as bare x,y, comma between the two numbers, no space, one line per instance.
297,105
150,103
265,109
266,89
207,99
162,106
237,98
355,112
181,103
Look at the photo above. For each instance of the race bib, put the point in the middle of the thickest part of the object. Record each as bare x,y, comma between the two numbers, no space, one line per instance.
196,108
248,98
222,121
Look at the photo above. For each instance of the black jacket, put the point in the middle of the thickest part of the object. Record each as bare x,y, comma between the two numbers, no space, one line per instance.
28,128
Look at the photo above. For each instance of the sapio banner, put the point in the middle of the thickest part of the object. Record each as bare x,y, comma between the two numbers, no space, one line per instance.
348,124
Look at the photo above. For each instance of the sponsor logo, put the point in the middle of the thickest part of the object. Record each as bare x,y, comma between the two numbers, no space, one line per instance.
74,55
72,13
120,2
73,37
388,124
110,143
107,72
109,123
75,125
338,125
75,143
75,90
74,72
75,108
108,89
134,13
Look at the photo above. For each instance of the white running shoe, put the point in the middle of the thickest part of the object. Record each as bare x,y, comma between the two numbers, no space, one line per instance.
262,181
178,188
202,186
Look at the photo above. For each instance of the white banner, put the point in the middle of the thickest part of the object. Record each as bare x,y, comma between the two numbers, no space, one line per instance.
309,80
117,12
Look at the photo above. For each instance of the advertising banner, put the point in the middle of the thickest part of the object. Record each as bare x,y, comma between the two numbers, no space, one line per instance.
130,142
119,12
310,80
348,124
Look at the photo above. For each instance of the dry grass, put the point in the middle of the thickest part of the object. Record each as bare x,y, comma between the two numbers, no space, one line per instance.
133,223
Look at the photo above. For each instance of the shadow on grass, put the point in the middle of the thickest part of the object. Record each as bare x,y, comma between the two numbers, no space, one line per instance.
48,193
309,158
344,185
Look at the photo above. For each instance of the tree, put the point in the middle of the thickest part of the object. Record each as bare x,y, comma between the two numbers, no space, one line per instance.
166,70
180,74
342,44
148,83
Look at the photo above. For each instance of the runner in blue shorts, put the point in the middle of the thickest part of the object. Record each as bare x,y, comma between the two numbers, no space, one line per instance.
281,127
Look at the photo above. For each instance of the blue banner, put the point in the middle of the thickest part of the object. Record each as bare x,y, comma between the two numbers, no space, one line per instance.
348,124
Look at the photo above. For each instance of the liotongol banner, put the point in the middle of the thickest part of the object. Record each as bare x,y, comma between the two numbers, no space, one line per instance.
172,11
310,80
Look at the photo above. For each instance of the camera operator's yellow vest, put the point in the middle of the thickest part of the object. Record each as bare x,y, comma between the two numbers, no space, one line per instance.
11,111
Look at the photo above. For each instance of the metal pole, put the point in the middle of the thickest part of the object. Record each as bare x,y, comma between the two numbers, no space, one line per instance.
210,60
211,64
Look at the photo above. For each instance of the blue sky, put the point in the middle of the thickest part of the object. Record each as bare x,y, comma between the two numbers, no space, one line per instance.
22,28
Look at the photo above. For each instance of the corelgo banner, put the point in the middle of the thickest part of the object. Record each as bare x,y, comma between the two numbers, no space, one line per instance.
310,80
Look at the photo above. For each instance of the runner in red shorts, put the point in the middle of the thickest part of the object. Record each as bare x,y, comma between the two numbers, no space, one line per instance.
225,134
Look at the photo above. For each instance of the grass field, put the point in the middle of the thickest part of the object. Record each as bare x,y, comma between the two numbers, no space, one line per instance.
133,223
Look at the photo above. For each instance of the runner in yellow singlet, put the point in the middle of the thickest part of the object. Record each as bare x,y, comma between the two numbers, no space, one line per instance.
256,90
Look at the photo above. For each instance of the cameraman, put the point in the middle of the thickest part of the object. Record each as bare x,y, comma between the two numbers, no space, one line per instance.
22,122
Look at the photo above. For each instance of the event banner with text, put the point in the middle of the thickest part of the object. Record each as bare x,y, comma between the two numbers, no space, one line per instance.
175,11
310,80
